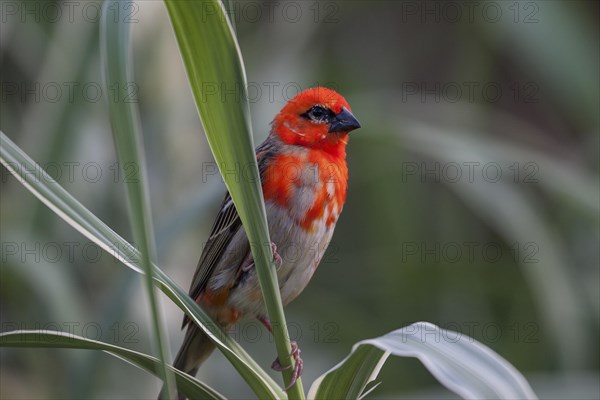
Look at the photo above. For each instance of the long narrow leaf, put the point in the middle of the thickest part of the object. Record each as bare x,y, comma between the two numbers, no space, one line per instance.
215,69
463,365
49,339
40,184
124,116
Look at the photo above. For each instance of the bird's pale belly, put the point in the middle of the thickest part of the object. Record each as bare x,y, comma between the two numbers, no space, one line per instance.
300,251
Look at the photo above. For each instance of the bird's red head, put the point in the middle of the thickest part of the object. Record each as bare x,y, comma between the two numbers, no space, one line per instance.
318,118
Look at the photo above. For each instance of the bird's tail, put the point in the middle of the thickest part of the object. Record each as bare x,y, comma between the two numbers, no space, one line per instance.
196,348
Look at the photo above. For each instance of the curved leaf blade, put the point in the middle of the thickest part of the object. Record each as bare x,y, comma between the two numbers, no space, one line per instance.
192,387
125,122
460,363
55,197
217,78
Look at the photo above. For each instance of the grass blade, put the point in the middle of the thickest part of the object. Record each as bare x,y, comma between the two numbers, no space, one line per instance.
215,69
41,185
192,387
115,35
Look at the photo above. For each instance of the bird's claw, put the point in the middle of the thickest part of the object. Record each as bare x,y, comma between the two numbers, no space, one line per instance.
276,257
298,364
248,263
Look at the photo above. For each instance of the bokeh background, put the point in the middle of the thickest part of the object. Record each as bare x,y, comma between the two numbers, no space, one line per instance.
473,198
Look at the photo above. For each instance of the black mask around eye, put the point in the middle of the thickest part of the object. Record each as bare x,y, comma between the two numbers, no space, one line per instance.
319,114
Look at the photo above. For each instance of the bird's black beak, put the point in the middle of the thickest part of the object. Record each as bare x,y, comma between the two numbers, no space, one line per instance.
344,122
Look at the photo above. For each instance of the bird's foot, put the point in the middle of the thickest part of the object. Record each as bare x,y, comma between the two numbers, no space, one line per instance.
248,262
276,257
265,321
298,364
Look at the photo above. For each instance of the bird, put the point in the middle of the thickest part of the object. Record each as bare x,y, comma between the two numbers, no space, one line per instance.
304,177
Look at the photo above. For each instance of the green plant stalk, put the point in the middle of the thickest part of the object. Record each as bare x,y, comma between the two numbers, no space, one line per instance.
211,55
115,41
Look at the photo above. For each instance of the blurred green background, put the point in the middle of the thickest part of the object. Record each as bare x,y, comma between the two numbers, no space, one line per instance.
473,198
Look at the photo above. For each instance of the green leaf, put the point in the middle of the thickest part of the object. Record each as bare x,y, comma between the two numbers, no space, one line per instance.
40,184
115,42
463,365
218,81
49,339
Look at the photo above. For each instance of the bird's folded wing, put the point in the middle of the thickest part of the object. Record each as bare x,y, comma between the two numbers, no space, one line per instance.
224,229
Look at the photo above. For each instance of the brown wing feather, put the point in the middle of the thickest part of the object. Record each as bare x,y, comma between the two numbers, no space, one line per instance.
224,229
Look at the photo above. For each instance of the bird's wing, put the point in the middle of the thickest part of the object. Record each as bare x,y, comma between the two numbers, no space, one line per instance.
225,227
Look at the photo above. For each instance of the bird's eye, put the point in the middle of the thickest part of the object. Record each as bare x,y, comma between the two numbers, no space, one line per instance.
318,114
